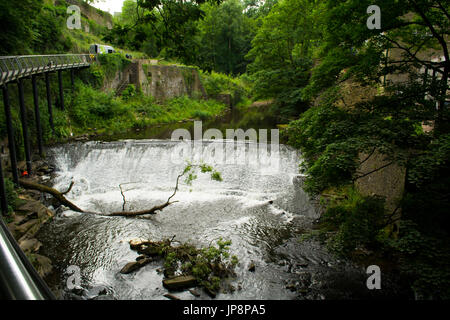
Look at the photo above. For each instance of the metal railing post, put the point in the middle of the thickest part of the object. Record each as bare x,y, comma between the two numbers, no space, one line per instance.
49,101
10,130
3,200
61,92
37,116
23,117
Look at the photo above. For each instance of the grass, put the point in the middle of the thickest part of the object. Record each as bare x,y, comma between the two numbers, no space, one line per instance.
93,110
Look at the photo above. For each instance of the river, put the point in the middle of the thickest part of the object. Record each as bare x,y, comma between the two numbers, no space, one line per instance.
258,206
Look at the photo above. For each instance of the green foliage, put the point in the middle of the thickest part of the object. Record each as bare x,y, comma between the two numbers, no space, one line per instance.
331,136
208,265
91,108
202,115
282,52
219,83
425,260
359,222
112,62
11,194
190,172
48,31
427,166
16,22
224,37
333,133
129,92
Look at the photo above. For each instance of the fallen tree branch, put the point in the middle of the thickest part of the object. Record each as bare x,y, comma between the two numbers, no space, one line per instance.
68,190
60,196
140,213
152,210
55,193
123,197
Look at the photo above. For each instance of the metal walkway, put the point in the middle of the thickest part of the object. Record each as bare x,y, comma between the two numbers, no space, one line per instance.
18,278
13,68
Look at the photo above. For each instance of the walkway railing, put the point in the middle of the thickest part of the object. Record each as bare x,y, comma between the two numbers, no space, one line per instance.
18,278
15,67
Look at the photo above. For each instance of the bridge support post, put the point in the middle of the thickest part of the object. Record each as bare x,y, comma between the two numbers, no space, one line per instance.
10,131
49,101
23,117
72,79
37,116
61,92
3,200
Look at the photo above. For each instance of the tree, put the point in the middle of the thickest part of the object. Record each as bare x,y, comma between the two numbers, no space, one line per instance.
400,61
412,32
282,52
169,25
224,39
16,20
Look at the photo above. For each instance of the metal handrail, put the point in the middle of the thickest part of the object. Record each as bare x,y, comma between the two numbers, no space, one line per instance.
16,67
18,278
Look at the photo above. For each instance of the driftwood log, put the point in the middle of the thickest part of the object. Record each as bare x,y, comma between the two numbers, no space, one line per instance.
55,193
153,210
60,197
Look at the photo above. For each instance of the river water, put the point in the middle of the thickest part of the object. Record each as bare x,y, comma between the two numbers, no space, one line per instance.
259,206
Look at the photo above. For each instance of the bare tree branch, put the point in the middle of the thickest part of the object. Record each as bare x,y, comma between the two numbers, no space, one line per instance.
68,190
373,171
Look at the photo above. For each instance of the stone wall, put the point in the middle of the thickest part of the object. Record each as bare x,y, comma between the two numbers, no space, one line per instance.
169,81
388,181
160,81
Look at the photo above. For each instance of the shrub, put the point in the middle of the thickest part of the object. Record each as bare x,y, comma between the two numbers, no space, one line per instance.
91,107
129,92
424,260
217,83
356,220
202,115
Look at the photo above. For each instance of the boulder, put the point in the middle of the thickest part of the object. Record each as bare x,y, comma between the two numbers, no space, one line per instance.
43,265
29,245
135,265
171,296
180,282
30,227
194,293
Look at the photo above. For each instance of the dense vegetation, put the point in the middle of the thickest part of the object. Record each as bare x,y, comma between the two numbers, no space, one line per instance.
341,125
336,82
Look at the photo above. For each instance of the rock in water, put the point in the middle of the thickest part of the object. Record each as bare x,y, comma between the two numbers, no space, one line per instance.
194,293
171,296
210,292
179,282
135,265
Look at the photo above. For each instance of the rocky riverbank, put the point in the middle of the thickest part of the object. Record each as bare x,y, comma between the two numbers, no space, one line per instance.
29,215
